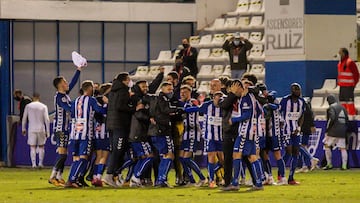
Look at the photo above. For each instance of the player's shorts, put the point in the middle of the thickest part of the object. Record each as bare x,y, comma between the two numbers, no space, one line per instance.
141,148
213,146
263,142
81,147
102,144
305,139
335,141
246,147
36,138
292,140
273,143
62,139
190,145
164,144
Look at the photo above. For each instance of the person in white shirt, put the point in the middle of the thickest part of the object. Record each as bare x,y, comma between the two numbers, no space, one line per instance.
36,115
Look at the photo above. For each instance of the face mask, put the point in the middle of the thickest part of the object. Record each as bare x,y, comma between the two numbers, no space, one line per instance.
185,46
236,42
170,95
131,84
17,98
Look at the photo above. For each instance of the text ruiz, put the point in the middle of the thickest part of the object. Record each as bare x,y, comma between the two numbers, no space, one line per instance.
284,33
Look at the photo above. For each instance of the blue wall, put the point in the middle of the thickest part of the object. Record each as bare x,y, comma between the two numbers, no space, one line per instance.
330,7
309,74
4,84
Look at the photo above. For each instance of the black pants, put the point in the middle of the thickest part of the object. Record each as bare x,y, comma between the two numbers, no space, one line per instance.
119,146
228,148
346,94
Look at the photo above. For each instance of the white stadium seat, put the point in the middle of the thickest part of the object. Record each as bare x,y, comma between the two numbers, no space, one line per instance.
258,70
257,53
164,57
168,69
242,8
205,41
243,23
194,41
217,25
203,55
256,22
205,72
334,91
357,89
357,104
256,7
327,85
217,55
218,40
316,104
244,35
141,73
227,71
204,87
230,23
256,37
176,53
218,70
154,71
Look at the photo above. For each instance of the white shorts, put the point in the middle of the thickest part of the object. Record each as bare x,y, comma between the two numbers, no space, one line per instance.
335,142
36,138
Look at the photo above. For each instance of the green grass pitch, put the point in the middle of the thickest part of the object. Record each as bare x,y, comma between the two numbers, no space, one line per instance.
26,185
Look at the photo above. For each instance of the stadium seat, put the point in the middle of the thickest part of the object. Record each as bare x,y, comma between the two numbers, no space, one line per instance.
256,37
164,57
242,8
357,89
257,53
217,25
141,73
194,41
243,23
203,55
154,71
335,91
256,22
217,55
227,71
218,40
316,104
327,85
258,70
176,53
230,23
244,35
256,7
205,72
357,104
218,70
168,69
204,87
320,117
205,41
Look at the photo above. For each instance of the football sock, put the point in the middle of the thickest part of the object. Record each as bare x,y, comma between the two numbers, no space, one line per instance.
237,166
293,165
256,170
95,175
268,166
281,166
145,164
100,169
191,163
41,155
262,174
211,170
242,172
328,156
306,155
344,157
217,166
187,169
286,158
73,169
130,172
83,168
33,155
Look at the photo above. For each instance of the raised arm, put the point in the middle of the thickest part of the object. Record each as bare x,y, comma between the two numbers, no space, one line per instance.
75,79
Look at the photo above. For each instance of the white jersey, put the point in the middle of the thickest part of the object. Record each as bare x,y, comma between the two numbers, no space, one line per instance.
37,115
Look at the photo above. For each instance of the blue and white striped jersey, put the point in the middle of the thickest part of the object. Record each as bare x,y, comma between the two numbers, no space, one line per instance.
100,128
291,112
248,117
275,121
83,110
212,121
62,104
191,123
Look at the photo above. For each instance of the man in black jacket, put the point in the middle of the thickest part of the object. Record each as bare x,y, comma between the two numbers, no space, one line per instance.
337,121
230,132
189,57
23,101
237,47
120,109
161,136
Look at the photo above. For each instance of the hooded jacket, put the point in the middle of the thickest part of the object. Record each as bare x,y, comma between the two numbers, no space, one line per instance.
120,107
227,106
337,118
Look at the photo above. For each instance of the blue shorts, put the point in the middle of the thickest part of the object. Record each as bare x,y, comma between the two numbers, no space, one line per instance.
102,144
141,148
190,145
246,147
62,139
262,142
81,147
164,144
305,139
292,140
273,143
214,146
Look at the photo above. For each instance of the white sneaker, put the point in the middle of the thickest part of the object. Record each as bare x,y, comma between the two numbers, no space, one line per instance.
282,181
249,183
109,180
304,169
33,166
269,181
314,163
135,182
242,182
200,183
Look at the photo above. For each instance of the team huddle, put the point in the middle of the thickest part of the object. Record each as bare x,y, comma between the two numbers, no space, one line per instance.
126,125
